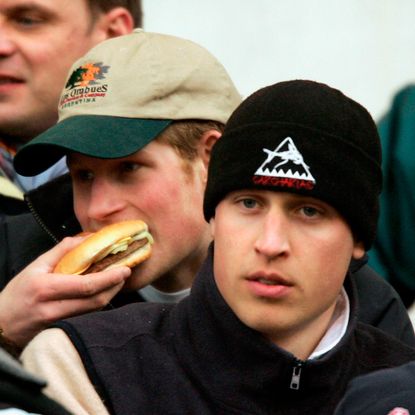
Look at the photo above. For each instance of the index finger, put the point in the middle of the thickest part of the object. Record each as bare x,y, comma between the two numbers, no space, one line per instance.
64,286
48,260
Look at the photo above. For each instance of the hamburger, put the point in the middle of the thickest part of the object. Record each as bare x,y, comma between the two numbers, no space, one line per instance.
122,243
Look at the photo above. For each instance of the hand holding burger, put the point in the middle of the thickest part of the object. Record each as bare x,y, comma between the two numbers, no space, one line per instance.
126,243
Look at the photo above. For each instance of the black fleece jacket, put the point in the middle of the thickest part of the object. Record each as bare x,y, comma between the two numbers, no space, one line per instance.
198,358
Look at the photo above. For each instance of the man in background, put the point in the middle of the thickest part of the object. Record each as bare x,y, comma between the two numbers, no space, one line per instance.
39,41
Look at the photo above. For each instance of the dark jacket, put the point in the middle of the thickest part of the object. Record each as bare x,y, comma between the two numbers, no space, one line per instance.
11,202
381,393
198,358
11,206
21,390
23,238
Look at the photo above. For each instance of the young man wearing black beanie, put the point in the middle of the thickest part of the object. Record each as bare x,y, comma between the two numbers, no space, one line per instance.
270,326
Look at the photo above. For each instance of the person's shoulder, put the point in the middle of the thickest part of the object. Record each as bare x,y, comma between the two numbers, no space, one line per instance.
381,392
398,378
375,352
131,320
380,349
381,306
368,281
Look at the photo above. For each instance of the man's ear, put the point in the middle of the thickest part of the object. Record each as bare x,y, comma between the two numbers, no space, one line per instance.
206,143
116,22
358,250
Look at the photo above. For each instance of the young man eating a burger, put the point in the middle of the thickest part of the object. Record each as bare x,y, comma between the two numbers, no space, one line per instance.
270,326
137,120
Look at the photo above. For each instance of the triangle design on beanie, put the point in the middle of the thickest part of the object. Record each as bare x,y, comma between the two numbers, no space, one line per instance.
285,162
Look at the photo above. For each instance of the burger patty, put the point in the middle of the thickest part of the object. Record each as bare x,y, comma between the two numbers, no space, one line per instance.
113,258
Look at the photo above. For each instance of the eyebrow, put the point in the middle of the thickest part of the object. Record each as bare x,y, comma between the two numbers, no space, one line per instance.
28,6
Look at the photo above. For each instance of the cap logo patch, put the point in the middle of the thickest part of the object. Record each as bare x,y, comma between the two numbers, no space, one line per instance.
284,167
85,85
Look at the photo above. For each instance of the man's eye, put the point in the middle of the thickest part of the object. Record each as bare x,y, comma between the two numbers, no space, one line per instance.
83,176
130,167
310,211
249,203
27,20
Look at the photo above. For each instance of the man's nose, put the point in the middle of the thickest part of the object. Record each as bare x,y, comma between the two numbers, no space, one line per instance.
105,200
7,44
273,237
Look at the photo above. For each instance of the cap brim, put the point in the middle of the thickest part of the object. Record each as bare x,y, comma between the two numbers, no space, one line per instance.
98,136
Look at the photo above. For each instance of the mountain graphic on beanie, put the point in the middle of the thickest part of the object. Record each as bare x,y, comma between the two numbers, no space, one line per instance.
285,162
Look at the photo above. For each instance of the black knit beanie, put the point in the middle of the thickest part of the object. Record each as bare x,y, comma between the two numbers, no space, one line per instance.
302,137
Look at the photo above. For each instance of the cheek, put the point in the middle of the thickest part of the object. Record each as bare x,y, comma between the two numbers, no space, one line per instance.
184,197
329,261
171,209
342,251
161,201
229,254
333,243
232,239
49,51
221,270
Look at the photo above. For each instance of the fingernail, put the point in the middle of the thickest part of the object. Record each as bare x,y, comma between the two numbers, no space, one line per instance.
126,272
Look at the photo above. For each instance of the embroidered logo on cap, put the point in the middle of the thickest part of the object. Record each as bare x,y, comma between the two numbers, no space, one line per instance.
284,167
85,85
399,411
87,74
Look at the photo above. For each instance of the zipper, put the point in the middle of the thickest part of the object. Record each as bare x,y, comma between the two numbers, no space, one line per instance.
39,220
296,375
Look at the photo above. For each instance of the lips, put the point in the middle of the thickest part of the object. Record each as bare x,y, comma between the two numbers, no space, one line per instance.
6,79
269,285
267,281
269,278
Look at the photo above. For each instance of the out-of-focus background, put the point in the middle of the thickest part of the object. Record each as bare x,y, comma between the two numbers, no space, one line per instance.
366,48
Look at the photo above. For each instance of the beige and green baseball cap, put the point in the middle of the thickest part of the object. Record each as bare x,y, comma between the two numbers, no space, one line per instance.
124,92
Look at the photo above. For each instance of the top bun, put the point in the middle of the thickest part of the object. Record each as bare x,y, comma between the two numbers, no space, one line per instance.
94,246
